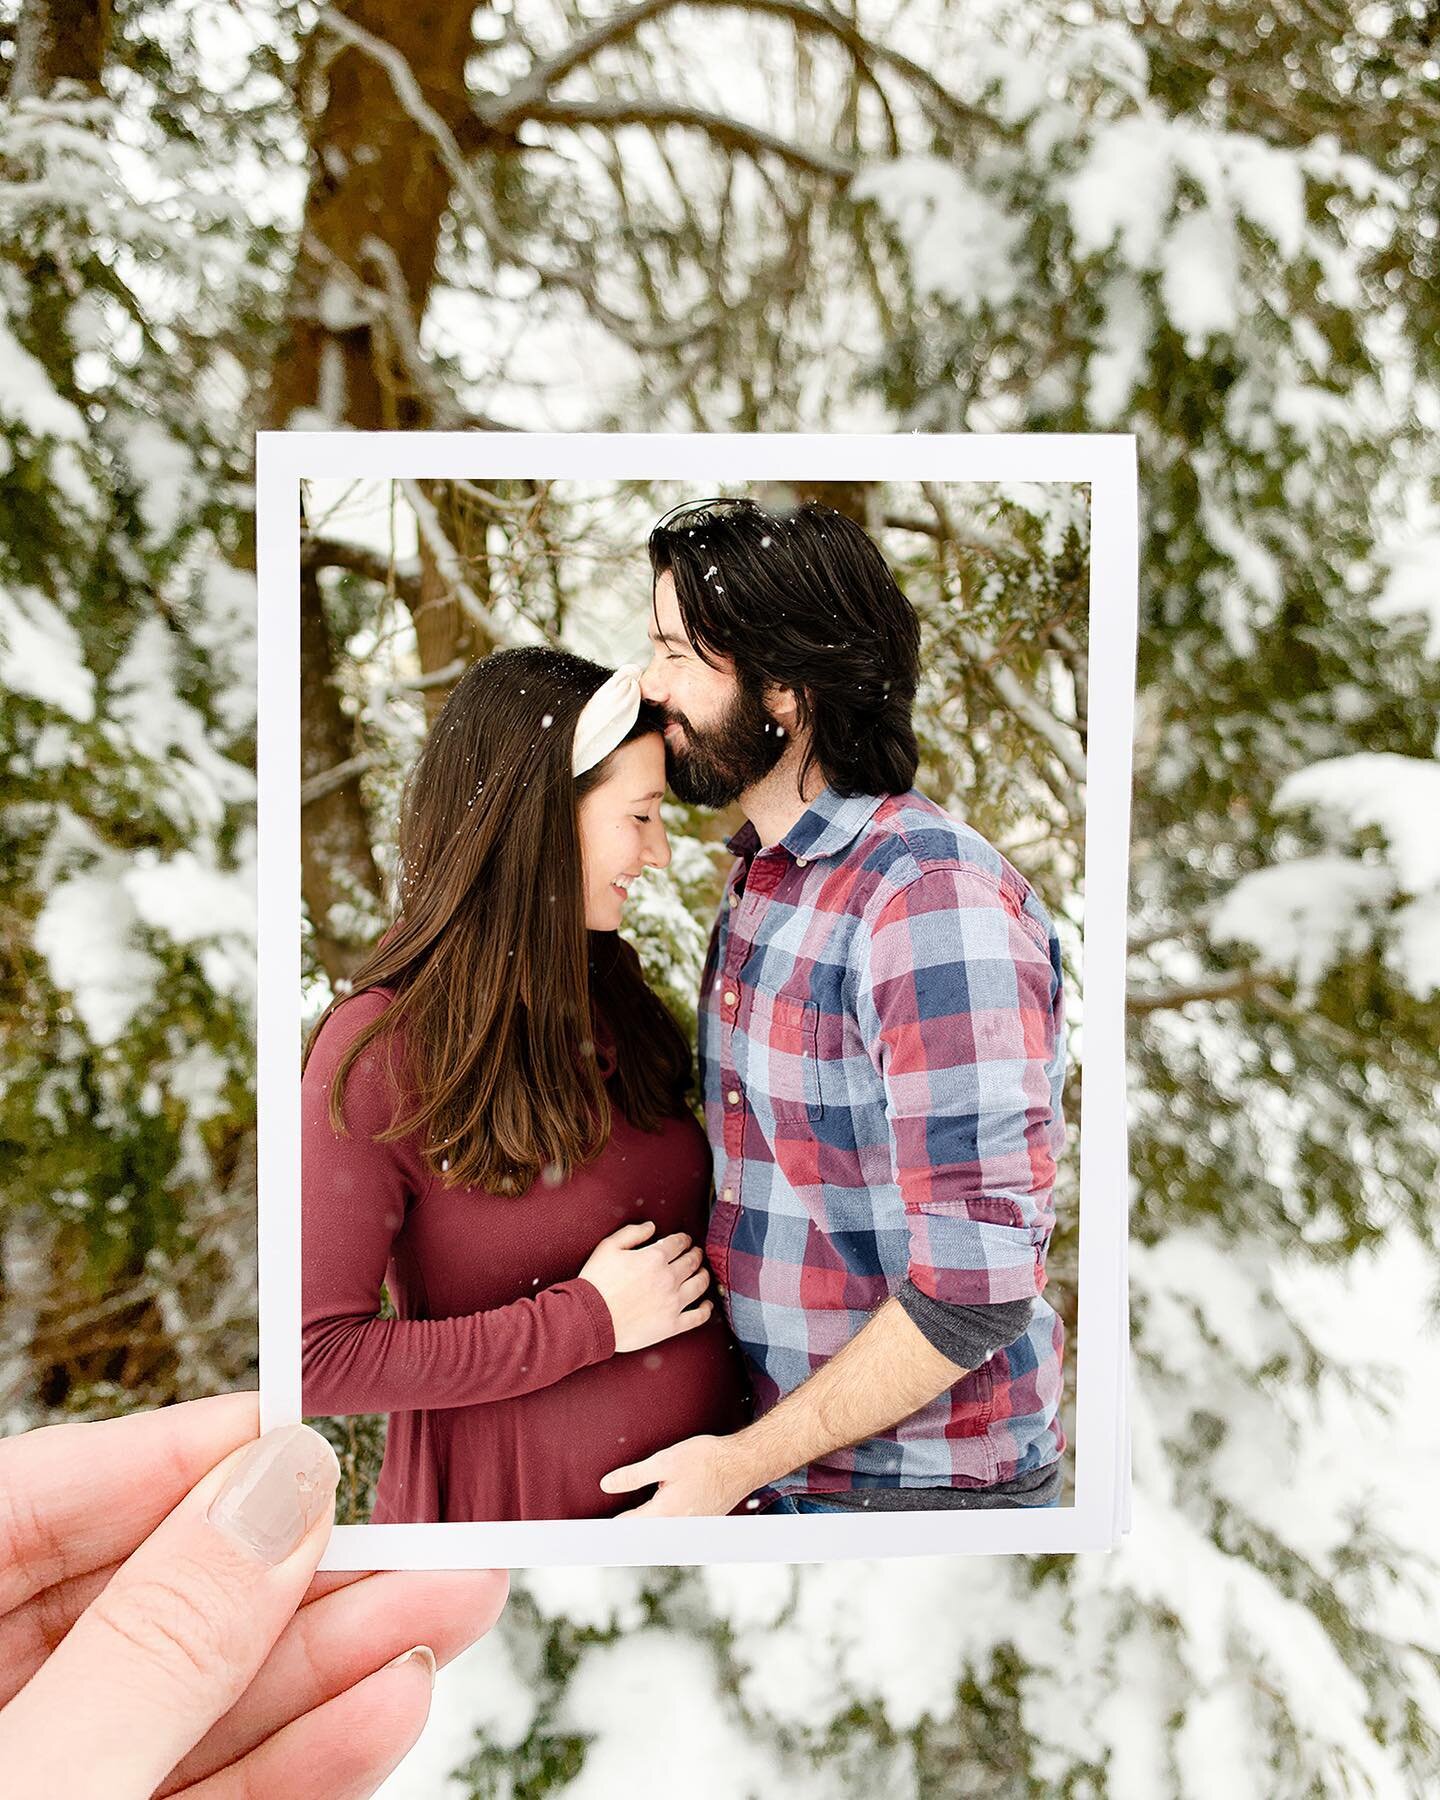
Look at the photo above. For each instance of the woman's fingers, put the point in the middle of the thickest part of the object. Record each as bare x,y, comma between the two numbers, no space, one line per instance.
694,1316
342,1750
179,1631
334,1643
33,1631
694,1287
675,1245
326,1582
78,1497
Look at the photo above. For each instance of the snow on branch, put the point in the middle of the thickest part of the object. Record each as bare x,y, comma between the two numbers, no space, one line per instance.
1017,697
1307,914
451,566
432,678
1399,796
329,781
1304,916
1412,588
1023,704
323,552
447,559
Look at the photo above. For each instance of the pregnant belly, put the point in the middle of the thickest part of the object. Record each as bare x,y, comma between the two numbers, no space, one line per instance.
541,1456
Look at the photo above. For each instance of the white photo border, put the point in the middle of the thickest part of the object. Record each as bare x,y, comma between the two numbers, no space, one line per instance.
1107,462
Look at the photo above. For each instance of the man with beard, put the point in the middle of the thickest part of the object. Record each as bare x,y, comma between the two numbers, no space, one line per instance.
882,1049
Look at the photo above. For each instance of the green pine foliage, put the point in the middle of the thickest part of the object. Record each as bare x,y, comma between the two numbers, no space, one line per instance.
126,642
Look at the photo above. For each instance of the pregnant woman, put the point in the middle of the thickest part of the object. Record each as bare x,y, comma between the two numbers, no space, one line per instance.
494,1126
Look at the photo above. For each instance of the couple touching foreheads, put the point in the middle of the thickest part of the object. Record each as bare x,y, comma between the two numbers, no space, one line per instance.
835,1303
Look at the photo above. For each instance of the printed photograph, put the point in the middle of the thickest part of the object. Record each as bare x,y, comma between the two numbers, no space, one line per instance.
692,903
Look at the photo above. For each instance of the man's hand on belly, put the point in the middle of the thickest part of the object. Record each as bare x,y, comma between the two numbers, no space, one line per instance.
700,1477
887,1371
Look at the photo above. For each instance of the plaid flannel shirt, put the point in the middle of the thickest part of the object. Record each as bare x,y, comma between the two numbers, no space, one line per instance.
882,1051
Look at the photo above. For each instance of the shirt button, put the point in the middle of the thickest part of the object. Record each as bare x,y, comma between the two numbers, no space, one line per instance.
802,862
726,1195
733,1096
731,997
734,899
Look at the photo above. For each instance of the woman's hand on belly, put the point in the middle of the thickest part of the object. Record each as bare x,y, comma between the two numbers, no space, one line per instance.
650,1288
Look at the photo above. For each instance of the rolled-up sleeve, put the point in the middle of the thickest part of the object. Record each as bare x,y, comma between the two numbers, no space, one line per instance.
960,1002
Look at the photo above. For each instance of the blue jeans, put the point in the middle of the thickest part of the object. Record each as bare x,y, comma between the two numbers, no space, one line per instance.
809,1503
805,1503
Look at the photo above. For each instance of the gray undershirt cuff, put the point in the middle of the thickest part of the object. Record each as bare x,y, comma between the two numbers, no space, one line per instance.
967,1335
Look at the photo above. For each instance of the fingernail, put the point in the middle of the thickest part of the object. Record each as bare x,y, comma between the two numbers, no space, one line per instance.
282,1484
421,1653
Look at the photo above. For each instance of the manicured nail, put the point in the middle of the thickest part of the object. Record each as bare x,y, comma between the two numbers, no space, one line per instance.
282,1484
421,1653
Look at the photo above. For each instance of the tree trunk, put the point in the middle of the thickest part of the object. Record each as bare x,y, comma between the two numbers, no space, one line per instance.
444,632
59,40
858,500
375,176
338,873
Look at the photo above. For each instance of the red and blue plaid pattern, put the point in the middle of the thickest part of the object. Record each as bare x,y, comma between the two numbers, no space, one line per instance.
882,1052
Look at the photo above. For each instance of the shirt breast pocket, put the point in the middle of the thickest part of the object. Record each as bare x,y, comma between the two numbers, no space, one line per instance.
783,1069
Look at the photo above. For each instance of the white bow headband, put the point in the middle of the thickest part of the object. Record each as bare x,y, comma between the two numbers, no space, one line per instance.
607,717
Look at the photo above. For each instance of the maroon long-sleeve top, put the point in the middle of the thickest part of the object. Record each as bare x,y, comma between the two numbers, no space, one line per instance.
506,1395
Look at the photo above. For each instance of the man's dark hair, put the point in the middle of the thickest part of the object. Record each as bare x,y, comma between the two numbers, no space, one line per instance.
804,599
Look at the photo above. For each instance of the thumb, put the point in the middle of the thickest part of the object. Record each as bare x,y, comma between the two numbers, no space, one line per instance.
180,1630
632,1234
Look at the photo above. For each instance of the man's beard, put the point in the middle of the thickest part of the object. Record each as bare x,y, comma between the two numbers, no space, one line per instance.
715,766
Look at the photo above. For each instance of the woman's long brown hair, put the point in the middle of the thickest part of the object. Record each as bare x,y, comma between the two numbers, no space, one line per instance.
497,983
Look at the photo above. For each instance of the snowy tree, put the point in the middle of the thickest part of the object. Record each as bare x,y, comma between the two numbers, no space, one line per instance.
127,278
1211,224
